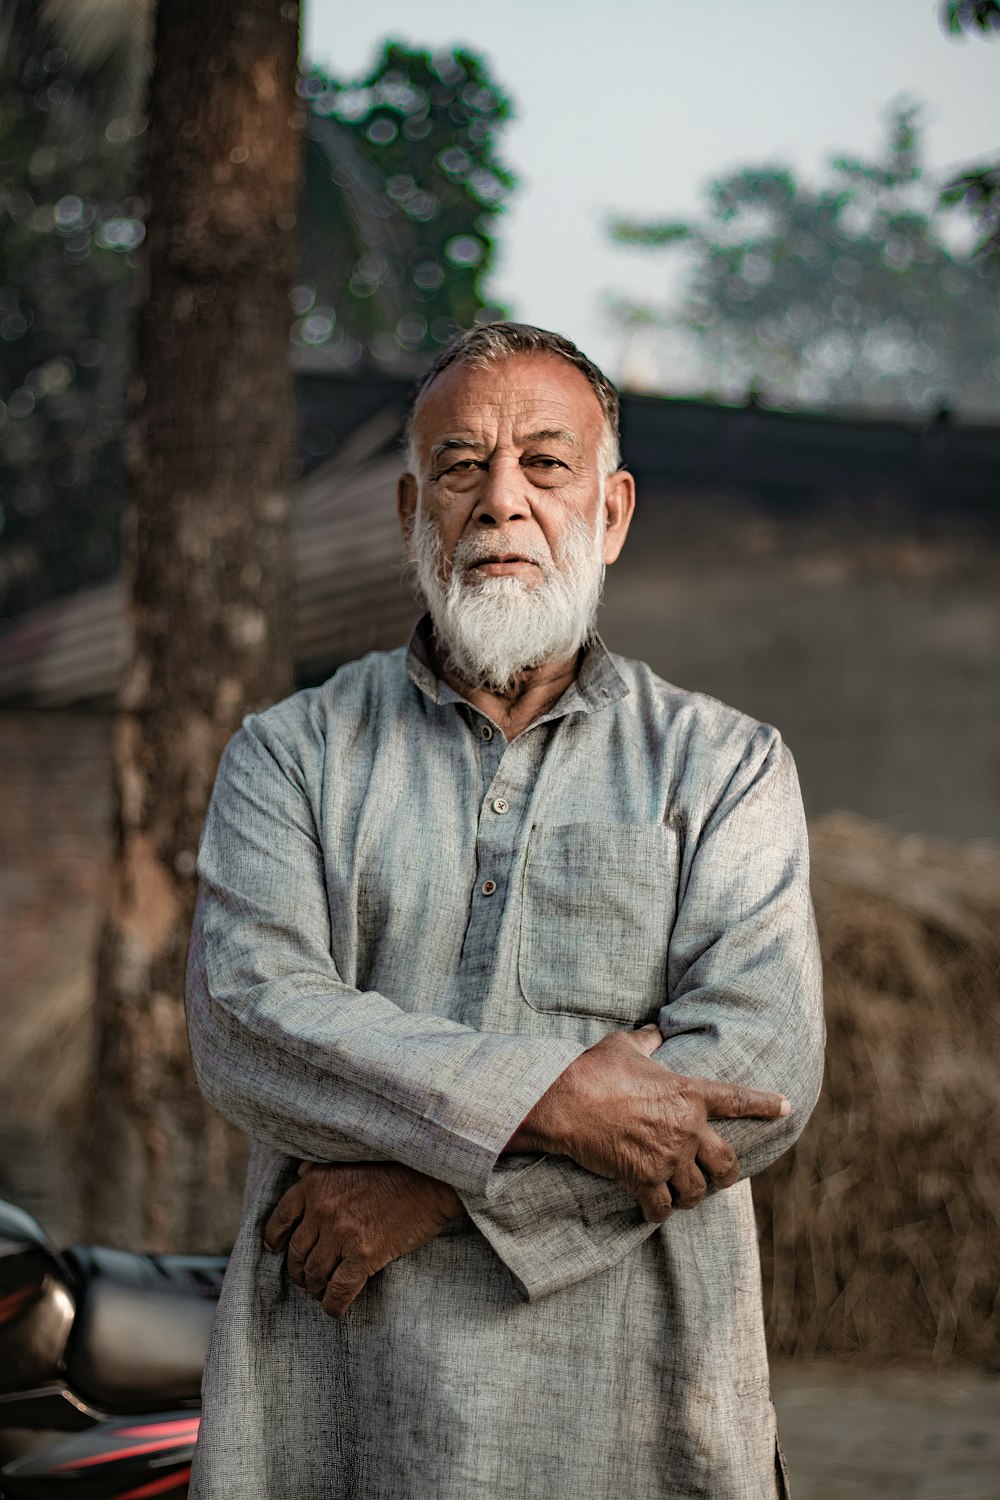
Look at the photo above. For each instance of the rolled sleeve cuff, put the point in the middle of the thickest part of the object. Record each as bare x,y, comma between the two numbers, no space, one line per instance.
554,1224
460,1141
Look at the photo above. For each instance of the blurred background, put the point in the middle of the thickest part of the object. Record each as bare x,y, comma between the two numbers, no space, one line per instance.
777,226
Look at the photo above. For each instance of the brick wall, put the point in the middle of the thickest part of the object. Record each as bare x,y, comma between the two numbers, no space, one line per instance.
55,814
55,810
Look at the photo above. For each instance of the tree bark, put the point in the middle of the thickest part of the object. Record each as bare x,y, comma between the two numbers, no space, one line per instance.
211,582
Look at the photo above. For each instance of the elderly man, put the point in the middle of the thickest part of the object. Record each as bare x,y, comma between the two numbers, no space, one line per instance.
490,930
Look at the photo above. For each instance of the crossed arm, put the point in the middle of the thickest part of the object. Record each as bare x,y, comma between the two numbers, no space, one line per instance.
433,1116
613,1112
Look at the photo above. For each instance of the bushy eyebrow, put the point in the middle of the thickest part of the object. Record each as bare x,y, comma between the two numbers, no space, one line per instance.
551,434
471,445
449,445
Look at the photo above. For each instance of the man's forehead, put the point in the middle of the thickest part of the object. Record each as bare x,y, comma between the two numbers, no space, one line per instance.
533,393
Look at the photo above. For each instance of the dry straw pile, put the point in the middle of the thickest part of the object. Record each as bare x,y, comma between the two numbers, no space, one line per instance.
879,1232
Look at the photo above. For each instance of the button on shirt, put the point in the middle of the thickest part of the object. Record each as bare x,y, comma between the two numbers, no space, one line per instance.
408,927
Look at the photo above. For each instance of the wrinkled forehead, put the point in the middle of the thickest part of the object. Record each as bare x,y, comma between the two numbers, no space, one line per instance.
508,399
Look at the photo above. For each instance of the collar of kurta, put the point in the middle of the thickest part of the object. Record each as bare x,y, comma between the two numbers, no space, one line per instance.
597,685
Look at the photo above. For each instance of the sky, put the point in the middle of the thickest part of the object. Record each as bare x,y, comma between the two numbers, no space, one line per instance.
631,108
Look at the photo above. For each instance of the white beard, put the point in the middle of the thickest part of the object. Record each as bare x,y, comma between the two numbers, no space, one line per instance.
495,628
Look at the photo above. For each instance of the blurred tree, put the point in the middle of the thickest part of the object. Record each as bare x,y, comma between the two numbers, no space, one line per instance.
401,190
959,16
211,464
977,189
847,295
70,138
402,186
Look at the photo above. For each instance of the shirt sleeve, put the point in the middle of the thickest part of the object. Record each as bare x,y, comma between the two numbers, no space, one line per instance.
291,1054
745,1005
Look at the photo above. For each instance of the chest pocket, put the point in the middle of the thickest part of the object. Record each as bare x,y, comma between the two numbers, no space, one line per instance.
597,909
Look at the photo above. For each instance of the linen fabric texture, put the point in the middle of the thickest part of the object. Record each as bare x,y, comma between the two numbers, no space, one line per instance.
407,928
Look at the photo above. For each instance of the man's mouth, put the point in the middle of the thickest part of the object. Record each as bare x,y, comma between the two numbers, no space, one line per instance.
505,562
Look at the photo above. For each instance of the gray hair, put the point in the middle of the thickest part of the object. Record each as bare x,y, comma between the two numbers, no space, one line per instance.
488,343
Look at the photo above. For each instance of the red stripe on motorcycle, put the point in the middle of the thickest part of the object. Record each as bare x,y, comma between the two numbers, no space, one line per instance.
114,1454
14,1301
163,1429
158,1486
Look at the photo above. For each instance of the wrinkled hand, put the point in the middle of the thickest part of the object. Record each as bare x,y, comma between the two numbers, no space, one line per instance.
622,1116
341,1224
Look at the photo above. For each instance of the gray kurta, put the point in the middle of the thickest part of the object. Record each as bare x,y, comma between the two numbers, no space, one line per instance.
408,927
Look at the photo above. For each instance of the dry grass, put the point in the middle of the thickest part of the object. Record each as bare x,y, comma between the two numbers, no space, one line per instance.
879,1231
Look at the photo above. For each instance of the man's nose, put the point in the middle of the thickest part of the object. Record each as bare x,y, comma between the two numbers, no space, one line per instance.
502,495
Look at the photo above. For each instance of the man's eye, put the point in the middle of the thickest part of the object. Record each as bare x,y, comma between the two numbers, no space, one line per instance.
463,466
460,470
545,467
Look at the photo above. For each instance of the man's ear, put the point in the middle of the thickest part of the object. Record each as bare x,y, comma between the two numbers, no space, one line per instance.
406,503
619,503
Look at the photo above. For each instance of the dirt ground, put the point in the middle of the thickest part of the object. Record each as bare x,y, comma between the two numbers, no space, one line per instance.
860,1434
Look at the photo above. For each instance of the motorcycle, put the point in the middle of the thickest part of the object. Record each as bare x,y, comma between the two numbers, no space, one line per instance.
101,1356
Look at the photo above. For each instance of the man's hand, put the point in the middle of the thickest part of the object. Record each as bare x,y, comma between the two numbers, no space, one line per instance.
622,1116
341,1224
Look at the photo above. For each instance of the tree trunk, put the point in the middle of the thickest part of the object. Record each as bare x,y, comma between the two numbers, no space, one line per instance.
211,584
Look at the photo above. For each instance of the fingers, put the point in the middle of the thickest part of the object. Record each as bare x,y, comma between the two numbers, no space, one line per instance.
717,1160
657,1203
730,1101
346,1282
319,1266
646,1040
299,1249
688,1186
283,1220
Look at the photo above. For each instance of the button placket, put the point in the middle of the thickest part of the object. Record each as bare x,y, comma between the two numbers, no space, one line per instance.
510,774
497,831
492,748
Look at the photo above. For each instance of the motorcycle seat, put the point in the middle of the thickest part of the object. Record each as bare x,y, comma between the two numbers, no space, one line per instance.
141,1331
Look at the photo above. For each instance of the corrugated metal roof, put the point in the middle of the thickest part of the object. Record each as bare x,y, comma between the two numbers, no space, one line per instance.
350,592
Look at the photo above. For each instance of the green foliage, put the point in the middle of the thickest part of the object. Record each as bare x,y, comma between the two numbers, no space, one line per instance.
402,188
69,225
978,189
978,192
845,295
960,16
